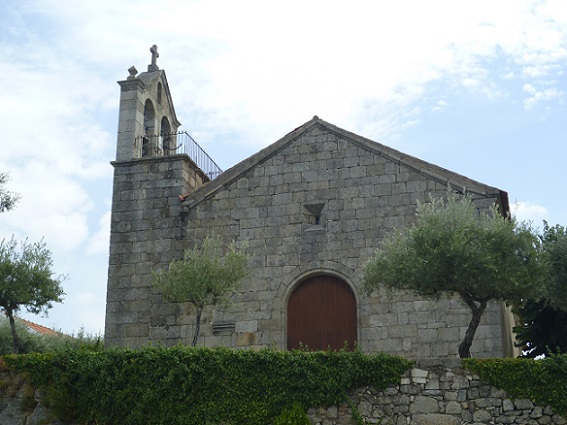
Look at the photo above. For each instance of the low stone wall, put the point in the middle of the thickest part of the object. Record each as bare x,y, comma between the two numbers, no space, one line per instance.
20,403
437,392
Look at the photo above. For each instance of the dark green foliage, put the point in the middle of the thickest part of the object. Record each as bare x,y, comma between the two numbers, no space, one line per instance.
182,385
542,381
454,249
554,241
294,415
543,329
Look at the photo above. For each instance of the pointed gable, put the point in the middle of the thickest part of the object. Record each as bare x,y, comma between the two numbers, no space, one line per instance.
449,179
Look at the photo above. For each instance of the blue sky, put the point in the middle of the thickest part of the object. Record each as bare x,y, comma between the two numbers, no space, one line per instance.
477,87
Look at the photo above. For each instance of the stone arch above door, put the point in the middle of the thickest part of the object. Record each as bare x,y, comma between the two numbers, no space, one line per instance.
322,312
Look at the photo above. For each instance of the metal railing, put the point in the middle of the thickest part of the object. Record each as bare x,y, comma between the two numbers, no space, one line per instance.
176,143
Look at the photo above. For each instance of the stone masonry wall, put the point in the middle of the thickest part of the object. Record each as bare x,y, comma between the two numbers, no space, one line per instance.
437,392
364,196
146,228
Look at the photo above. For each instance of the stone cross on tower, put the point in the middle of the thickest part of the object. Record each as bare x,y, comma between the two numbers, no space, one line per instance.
153,66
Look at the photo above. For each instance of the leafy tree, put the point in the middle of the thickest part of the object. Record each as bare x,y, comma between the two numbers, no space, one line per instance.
203,277
26,280
542,322
7,199
554,240
542,328
452,248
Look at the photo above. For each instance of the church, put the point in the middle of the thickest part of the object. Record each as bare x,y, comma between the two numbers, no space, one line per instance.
312,208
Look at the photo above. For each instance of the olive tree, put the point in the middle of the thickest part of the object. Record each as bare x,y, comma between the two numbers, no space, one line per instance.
453,248
27,280
203,277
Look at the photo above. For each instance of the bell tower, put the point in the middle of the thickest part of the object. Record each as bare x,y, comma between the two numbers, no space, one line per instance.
152,171
147,117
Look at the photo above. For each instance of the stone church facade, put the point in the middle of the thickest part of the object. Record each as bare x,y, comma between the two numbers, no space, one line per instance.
312,208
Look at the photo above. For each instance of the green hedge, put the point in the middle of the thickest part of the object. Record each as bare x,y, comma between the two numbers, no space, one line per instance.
182,385
542,381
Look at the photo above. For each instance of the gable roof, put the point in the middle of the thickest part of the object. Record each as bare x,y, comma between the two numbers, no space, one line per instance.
451,179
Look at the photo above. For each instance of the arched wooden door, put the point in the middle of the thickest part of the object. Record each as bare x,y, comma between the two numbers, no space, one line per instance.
321,312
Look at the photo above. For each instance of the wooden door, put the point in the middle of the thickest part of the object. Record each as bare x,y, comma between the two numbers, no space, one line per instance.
321,312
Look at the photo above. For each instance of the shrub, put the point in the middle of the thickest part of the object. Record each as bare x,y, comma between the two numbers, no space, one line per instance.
543,381
181,385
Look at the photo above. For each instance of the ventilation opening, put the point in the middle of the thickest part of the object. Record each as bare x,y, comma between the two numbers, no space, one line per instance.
314,211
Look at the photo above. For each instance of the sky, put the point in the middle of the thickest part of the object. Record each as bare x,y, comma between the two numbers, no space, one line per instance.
476,87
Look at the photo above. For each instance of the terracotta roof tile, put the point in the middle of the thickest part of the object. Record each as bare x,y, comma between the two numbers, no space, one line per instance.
38,328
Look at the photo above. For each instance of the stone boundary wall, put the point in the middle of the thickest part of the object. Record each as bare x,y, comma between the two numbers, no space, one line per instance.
434,392
437,392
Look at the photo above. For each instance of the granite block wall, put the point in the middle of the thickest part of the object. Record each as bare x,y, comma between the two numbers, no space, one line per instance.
434,392
146,229
437,392
317,204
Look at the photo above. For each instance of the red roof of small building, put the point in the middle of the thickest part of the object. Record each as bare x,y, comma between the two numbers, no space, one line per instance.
42,330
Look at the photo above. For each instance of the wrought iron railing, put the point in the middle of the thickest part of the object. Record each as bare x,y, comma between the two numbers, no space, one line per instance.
176,143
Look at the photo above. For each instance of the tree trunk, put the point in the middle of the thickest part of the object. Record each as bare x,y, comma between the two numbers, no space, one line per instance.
15,339
197,326
477,311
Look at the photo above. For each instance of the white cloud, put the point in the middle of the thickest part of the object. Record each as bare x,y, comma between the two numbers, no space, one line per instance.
539,96
440,105
99,242
274,66
529,212
530,89
52,205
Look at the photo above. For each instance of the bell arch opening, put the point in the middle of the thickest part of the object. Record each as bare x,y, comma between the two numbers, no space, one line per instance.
159,93
149,127
166,138
321,313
